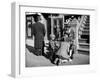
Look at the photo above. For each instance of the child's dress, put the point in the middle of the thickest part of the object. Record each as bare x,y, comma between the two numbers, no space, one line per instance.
63,51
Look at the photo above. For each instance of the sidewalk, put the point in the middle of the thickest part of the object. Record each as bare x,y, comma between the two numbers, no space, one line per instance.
33,60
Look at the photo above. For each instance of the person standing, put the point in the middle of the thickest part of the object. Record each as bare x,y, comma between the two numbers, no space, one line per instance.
38,30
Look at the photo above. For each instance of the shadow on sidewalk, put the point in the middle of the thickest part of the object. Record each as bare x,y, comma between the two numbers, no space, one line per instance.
32,50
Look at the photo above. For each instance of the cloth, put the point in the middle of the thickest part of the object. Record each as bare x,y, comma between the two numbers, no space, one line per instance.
63,51
38,30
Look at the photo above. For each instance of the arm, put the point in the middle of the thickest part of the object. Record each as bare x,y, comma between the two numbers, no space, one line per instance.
44,31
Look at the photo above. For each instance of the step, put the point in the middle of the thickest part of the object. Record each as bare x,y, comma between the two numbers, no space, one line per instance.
85,34
85,52
86,44
83,49
86,22
86,26
85,31
81,40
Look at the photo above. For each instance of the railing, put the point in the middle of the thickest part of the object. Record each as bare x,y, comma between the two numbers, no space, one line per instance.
79,23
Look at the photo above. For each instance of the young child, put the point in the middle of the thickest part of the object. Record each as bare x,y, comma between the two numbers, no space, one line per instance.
53,47
62,54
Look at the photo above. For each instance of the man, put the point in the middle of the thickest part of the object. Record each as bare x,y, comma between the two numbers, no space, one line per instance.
38,30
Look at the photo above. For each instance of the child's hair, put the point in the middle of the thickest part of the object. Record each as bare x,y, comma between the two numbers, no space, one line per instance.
52,37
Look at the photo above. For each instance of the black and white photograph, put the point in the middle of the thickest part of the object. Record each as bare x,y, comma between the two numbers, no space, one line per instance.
54,39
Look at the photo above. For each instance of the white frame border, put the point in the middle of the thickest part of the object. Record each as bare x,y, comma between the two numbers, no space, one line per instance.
17,68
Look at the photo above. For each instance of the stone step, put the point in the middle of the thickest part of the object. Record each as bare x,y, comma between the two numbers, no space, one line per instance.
81,33
83,49
87,30
83,52
87,20
82,40
85,33
87,24
85,44
86,27
85,36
